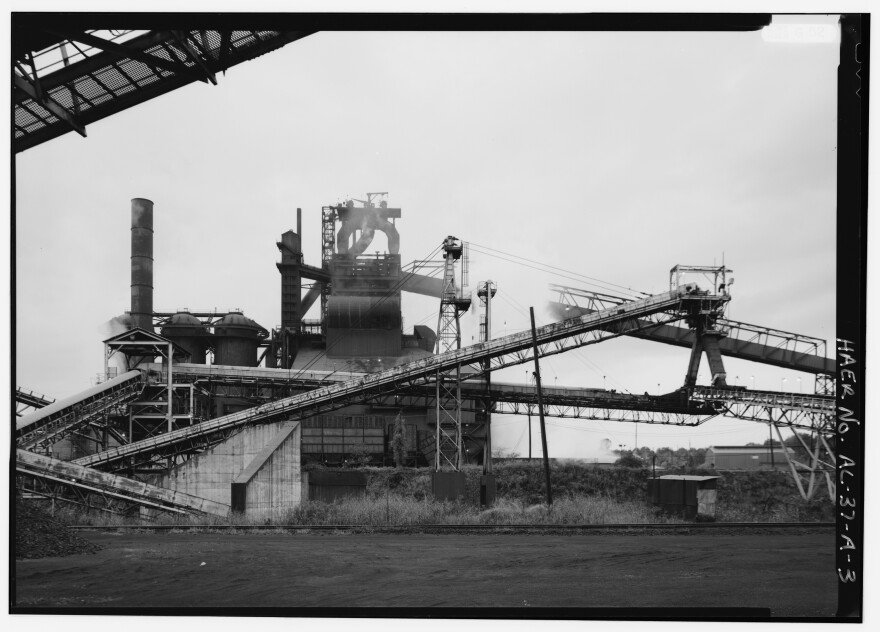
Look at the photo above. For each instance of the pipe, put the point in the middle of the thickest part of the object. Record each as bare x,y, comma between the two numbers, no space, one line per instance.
142,264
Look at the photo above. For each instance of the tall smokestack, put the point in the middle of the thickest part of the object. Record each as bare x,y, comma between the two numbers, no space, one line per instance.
142,263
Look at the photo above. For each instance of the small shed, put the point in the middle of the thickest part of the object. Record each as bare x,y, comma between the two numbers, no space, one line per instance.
692,497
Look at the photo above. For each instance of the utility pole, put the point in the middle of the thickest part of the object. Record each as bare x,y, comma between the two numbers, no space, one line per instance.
541,407
530,433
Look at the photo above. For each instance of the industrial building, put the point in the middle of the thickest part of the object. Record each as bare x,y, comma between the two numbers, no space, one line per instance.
213,412
722,457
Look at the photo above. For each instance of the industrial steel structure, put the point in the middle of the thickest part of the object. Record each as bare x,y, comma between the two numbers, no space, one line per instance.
335,385
66,78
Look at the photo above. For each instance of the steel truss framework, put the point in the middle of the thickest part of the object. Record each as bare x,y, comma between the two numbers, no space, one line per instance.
806,412
27,399
506,351
91,497
819,460
66,77
813,413
598,413
94,409
58,491
448,441
88,481
741,340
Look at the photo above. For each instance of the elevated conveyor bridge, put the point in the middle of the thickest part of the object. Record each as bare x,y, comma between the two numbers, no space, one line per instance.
495,354
741,340
49,424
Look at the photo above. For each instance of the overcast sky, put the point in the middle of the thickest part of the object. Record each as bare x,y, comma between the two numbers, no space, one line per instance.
610,155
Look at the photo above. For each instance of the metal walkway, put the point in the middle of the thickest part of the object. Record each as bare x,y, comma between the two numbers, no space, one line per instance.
807,412
682,407
68,75
495,354
54,473
51,423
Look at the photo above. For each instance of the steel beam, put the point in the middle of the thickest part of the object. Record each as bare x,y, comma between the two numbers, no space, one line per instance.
121,51
741,340
507,351
50,104
182,39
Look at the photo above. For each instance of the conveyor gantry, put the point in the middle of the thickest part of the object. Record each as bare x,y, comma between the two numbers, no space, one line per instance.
59,419
741,340
805,412
563,402
506,351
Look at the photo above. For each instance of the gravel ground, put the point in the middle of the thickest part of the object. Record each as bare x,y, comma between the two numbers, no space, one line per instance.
792,575
38,535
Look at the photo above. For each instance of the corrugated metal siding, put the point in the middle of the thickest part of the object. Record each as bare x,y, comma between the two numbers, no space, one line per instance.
338,434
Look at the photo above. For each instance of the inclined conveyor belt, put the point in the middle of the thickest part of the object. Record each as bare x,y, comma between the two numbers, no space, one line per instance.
505,351
46,425
739,342
55,471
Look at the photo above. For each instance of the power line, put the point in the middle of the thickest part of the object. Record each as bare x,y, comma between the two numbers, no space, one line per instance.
519,259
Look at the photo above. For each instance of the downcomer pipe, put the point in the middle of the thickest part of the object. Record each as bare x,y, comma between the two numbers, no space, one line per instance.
142,264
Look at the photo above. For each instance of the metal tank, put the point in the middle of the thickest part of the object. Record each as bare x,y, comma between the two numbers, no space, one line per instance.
188,332
236,339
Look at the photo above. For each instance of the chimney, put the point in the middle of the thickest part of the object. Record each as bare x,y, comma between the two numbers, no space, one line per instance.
142,264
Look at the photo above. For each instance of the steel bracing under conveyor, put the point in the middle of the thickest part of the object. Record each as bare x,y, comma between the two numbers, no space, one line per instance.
741,340
689,407
495,354
48,477
49,424
793,410
264,385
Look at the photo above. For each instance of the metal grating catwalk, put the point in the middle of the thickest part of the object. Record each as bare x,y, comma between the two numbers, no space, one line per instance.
65,79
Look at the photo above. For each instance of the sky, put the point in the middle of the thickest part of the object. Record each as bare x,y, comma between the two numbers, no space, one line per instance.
610,156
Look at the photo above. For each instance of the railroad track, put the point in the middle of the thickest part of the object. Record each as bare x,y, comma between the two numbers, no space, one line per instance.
488,528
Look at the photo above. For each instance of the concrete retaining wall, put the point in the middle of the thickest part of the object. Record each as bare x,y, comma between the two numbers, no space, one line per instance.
276,484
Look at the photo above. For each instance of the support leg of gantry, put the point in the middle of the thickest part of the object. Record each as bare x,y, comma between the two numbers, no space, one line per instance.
794,472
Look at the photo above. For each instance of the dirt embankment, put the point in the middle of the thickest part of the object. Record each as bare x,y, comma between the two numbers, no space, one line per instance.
37,534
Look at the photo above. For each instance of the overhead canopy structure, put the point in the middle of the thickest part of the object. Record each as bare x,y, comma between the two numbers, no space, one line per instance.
66,77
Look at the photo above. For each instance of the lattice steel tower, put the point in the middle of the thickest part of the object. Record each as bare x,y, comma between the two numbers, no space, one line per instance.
453,303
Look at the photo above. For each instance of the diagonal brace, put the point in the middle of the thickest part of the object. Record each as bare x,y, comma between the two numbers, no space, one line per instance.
181,39
50,104
126,52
